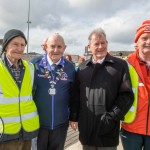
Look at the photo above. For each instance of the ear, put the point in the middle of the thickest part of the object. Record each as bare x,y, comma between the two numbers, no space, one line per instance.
65,47
5,50
45,46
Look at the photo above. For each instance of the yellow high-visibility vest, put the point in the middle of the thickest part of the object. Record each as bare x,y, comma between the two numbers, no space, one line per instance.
17,108
131,114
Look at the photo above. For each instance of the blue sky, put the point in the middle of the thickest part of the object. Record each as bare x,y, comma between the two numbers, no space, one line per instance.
74,20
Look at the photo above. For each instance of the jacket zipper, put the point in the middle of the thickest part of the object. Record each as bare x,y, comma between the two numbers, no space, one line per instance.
52,125
19,104
148,116
20,133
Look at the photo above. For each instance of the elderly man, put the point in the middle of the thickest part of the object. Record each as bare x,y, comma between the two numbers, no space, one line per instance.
136,127
55,77
18,113
102,98
44,44
36,59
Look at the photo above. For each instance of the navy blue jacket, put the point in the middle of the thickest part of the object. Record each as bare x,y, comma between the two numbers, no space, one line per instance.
53,109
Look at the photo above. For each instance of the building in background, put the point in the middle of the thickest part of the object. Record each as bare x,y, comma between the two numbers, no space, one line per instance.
1,40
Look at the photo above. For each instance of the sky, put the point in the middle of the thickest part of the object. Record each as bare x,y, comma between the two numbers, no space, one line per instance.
74,20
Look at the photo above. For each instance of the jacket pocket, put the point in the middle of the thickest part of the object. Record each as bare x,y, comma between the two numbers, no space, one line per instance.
107,124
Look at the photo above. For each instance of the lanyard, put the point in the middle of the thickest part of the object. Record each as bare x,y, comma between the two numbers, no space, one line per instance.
53,75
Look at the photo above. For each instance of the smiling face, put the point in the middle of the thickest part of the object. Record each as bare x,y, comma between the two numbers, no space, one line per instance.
98,46
143,45
15,49
55,47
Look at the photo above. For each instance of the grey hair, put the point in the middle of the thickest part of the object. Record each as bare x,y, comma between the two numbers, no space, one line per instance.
56,35
98,31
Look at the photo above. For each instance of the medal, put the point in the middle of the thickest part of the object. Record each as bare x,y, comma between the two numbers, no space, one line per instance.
52,83
52,91
53,76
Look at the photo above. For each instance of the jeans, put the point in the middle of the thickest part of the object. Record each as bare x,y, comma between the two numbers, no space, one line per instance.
133,141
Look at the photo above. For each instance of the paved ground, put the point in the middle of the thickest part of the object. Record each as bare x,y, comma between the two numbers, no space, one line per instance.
77,146
72,142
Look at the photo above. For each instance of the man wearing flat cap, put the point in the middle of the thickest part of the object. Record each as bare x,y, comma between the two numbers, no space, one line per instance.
135,132
19,121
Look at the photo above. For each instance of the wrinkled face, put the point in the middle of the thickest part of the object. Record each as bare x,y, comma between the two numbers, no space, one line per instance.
43,47
143,44
44,44
98,46
15,48
55,48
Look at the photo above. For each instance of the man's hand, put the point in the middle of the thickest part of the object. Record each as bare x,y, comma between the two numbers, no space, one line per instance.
73,125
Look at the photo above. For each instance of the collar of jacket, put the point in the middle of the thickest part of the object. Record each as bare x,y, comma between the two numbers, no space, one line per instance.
3,58
108,58
45,57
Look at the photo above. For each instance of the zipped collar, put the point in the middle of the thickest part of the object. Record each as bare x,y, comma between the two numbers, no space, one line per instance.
44,59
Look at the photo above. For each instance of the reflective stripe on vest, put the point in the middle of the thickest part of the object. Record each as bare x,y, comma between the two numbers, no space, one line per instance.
14,99
17,108
141,84
131,114
17,119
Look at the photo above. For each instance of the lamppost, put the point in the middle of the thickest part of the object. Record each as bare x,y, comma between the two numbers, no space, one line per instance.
28,22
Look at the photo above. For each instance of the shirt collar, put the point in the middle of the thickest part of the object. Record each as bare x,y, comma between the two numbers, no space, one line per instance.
99,61
10,62
50,61
108,58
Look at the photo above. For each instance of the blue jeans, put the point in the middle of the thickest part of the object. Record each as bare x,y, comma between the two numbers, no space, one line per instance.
133,141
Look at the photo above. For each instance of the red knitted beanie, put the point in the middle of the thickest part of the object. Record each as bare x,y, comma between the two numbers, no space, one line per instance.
145,28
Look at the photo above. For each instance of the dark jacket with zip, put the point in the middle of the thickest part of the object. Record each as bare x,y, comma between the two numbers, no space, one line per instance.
103,96
53,110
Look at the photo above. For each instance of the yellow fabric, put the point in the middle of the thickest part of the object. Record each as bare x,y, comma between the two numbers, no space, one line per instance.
131,114
17,108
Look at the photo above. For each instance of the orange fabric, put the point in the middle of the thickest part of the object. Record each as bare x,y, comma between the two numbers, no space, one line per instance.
144,28
141,124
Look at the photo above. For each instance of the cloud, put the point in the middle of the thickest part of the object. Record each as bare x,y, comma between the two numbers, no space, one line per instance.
75,19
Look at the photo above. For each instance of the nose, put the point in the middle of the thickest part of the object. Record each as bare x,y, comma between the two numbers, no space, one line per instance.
100,46
148,41
55,49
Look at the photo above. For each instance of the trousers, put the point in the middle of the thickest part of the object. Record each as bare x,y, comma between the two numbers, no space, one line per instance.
52,139
16,145
85,147
133,141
